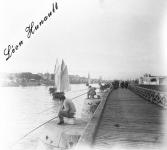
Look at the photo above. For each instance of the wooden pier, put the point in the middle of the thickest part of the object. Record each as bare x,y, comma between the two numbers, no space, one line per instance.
123,120
129,121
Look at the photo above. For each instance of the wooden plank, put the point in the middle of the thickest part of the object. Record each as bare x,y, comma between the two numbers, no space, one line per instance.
130,120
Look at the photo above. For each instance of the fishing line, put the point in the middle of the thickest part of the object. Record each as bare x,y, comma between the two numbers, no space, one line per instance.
78,90
42,123
34,130
71,99
55,106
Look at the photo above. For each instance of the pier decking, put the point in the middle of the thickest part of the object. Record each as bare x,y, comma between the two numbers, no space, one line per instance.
128,121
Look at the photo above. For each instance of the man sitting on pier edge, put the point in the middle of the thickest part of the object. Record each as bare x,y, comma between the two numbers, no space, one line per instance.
68,109
91,92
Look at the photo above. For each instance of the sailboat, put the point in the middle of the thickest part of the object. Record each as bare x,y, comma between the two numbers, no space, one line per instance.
61,84
89,80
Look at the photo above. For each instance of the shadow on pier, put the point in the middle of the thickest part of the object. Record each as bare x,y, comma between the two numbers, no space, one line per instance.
129,121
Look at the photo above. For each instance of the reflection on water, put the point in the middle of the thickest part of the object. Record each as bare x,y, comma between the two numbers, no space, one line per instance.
21,107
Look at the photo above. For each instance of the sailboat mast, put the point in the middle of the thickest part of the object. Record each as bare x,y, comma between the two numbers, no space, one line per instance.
89,80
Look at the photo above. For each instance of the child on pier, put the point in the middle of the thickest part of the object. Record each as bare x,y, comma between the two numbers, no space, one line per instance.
68,109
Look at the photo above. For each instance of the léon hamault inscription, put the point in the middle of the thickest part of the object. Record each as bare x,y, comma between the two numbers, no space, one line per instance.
30,30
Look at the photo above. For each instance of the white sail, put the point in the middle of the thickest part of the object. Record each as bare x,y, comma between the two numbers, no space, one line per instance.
56,65
62,66
62,83
89,80
65,84
57,72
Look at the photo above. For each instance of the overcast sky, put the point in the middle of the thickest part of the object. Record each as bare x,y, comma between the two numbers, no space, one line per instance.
115,39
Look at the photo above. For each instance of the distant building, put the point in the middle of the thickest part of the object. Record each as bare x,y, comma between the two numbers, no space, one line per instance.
153,80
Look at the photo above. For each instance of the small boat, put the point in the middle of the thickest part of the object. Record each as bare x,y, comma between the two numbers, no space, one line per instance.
62,83
89,80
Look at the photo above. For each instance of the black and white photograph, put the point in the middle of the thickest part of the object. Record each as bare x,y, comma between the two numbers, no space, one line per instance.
83,75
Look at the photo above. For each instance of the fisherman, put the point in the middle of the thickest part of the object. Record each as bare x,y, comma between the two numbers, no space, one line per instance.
68,109
101,87
91,92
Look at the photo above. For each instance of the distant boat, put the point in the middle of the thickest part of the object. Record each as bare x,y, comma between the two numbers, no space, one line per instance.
64,79
89,80
61,83
57,75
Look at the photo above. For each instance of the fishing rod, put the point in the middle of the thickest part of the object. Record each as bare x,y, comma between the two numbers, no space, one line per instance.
83,89
42,123
34,130
78,90
78,96
55,106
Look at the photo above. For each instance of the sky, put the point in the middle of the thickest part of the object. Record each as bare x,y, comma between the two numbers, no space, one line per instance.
115,39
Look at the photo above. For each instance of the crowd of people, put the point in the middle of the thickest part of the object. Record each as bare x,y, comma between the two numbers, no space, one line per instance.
124,84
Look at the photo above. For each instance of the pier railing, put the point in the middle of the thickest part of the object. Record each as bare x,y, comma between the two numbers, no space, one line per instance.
154,96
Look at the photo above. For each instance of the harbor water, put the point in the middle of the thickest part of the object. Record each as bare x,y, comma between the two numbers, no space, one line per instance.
24,108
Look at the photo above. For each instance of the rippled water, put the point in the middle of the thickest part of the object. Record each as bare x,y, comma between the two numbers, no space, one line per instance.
21,109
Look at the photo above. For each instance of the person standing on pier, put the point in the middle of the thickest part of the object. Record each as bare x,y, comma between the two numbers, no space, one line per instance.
122,84
126,84
68,109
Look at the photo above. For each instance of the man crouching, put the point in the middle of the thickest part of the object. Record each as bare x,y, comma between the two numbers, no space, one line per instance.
68,109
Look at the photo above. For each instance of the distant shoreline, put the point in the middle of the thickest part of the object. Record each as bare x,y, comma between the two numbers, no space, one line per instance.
30,85
45,79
